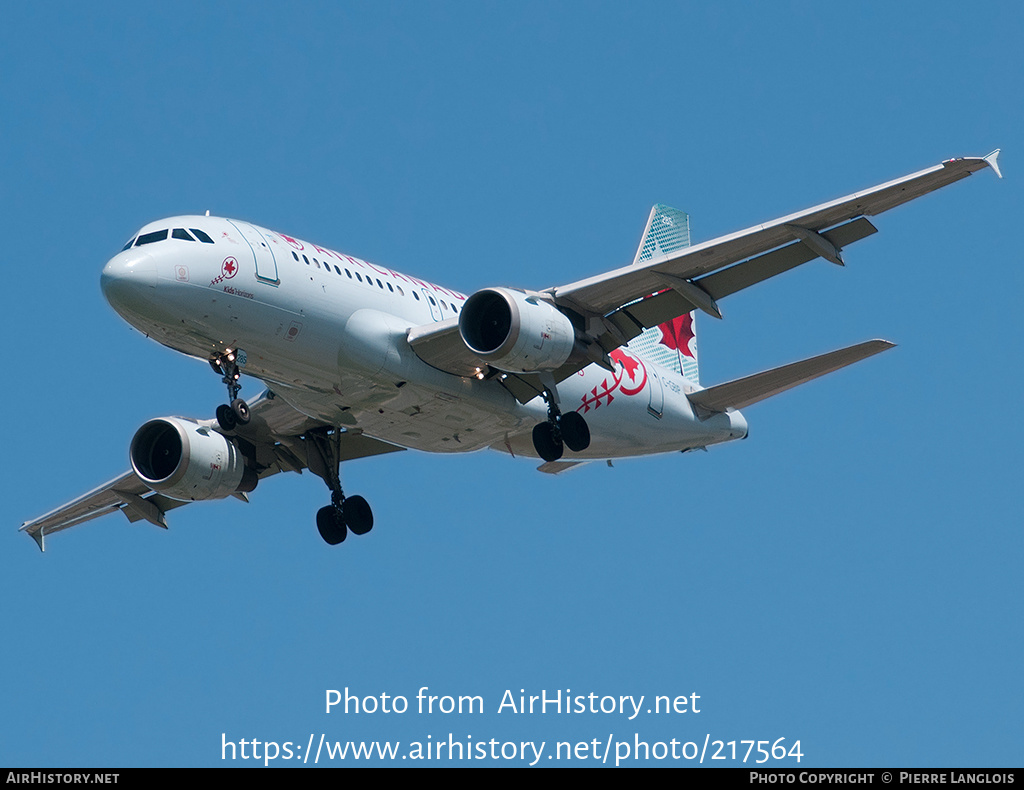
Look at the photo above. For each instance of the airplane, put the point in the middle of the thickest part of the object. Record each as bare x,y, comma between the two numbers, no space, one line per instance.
361,360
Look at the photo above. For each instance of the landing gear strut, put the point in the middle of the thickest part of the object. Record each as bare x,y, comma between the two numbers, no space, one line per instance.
560,431
235,413
344,514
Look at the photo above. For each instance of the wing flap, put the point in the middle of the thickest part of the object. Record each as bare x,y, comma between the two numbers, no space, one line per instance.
743,275
743,392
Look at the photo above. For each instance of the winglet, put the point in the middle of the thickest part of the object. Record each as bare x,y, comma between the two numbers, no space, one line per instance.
992,160
38,538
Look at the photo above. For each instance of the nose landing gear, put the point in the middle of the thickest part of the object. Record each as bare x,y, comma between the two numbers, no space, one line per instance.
235,413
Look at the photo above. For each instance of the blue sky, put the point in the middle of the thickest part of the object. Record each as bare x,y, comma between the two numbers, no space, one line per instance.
848,577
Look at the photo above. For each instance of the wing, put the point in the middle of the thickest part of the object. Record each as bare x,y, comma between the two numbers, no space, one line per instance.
615,307
752,255
274,440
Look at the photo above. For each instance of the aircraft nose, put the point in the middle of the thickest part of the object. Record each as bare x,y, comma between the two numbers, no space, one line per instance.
129,281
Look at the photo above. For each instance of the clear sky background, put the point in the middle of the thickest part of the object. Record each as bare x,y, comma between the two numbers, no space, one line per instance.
848,577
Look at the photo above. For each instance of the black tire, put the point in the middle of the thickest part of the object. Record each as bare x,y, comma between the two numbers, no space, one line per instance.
241,411
544,442
226,417
331,525
575,431
358,515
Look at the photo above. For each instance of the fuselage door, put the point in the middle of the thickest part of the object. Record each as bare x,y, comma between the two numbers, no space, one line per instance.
263,254
435,309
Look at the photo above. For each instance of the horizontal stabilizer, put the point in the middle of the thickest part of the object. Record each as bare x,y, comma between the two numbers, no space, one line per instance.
743,392
558,467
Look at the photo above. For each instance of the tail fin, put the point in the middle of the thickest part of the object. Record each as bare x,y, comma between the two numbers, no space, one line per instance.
672,345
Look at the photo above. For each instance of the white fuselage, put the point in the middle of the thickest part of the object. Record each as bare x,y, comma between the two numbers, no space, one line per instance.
328,334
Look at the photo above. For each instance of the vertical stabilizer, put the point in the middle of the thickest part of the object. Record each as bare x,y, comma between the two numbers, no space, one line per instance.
672,345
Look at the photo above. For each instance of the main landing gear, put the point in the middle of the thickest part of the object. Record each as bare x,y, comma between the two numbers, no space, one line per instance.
230,415
344,514
560,431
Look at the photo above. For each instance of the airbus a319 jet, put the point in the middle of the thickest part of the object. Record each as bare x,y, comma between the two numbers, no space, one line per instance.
360,360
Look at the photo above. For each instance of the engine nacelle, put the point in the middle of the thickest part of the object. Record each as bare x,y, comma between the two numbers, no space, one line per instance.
516,332
187,461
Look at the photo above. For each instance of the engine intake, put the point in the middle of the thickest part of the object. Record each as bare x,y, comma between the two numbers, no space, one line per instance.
514,331
187,461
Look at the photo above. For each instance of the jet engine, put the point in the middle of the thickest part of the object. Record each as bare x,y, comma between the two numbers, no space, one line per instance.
517,332
187,461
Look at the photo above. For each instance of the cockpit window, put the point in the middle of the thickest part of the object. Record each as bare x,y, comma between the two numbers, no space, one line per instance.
129,244
149,238
181,233
202,236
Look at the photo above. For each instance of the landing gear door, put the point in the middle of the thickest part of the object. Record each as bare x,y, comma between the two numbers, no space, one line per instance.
263,254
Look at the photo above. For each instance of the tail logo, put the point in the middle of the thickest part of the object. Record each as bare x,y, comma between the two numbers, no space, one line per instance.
677,334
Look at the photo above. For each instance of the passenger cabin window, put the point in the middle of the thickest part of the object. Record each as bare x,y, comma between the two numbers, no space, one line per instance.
149,238
201,235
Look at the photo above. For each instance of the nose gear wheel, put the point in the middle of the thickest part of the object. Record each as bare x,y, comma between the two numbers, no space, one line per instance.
236,412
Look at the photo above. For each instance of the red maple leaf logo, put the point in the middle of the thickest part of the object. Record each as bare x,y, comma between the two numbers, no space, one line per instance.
677,334
228,269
